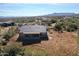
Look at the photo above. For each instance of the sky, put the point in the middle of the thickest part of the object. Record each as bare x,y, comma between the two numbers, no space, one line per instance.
20,9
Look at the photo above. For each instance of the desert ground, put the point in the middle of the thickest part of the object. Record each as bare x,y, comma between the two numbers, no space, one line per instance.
58,44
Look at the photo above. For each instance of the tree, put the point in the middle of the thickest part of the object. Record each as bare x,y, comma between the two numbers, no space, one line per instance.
59,27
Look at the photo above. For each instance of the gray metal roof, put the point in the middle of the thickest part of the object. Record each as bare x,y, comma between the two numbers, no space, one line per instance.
32,28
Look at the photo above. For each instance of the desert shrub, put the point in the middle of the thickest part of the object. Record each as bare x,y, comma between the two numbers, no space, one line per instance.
3,41
59,26
72,27
53,21
49,23
69,25
12,50
10,33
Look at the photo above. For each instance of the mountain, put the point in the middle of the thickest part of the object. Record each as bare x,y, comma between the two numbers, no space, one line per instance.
62,14
53,14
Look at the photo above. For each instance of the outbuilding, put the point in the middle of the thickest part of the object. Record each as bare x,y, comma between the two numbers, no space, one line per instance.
32,33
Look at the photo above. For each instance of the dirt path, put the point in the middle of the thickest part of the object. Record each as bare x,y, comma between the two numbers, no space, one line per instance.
13,39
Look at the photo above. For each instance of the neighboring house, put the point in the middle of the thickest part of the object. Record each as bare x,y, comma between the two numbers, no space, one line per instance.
32,33
6,24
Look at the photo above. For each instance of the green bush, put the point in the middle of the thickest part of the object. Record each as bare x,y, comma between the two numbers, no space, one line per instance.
3,41
59,27
10,33
72,27
69,25
12,50
53,21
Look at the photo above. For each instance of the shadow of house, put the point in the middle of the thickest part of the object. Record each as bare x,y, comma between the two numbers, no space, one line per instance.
30,34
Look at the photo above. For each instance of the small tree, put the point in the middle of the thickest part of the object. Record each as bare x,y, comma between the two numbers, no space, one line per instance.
59,27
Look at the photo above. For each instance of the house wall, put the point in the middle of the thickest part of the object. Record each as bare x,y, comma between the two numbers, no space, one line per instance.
29,38
43,36
32,38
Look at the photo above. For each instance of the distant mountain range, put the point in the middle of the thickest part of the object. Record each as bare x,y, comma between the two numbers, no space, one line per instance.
53,14
62,14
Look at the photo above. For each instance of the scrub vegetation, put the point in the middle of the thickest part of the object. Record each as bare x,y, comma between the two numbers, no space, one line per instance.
63,34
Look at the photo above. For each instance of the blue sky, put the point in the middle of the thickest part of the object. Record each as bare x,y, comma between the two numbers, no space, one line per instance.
18,9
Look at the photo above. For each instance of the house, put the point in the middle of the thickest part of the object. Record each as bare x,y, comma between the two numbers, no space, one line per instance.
32,33
7,23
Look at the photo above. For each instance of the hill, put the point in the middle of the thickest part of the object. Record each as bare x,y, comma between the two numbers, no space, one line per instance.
62,14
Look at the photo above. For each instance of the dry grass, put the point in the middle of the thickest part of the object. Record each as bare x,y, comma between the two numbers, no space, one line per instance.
59,44
34,51
62,44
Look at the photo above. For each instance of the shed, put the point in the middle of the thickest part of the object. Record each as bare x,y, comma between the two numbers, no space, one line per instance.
32,33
